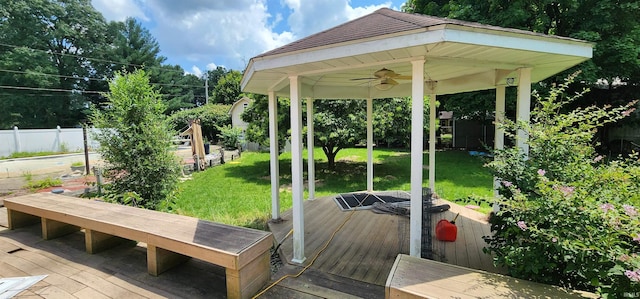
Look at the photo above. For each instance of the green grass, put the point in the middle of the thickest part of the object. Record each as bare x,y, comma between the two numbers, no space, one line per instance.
238,193
31,154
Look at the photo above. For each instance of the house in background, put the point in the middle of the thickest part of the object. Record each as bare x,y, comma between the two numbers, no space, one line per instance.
236,113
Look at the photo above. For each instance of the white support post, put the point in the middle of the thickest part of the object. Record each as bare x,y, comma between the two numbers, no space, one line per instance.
57,146
274,150
523,107
369,145
417,121
297,187
432,139
498,142
311,176
16,139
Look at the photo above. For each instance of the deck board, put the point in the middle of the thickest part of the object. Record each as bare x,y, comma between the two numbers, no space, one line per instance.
366,247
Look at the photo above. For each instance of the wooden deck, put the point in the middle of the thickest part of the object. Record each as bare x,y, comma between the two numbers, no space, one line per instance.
366,247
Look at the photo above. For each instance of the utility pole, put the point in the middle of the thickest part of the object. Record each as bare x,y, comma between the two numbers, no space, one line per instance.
206,89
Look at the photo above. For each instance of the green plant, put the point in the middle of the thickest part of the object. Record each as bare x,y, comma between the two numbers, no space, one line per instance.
77,164
229,136
64,147
567,217
136,143
27,176
211,117
44,183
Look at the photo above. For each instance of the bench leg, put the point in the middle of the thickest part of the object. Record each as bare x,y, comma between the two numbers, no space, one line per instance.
52,229
246,282
18,219
160,260
95,241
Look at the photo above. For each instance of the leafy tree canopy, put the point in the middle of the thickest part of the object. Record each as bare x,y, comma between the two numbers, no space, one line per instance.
136,142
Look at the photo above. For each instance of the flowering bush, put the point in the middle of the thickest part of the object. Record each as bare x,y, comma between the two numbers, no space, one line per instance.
567,216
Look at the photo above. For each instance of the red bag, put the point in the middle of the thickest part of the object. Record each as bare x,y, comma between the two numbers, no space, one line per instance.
446,230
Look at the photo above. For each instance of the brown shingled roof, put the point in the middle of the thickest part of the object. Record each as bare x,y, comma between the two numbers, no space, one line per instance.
382,22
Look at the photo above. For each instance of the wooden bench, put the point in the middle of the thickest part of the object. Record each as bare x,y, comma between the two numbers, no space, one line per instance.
413,277
170,238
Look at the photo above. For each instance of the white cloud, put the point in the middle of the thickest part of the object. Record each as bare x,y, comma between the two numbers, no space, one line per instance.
196,71
316,16
210,33
119,10
232,34
211,66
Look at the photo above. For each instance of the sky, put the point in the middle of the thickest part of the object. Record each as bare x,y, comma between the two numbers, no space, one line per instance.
203,34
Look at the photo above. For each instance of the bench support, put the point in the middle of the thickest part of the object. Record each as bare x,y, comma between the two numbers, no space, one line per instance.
52,229
160,260
18,219
95,241
248,281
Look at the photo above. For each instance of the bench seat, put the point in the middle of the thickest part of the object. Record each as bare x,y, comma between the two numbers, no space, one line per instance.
413,277
170,238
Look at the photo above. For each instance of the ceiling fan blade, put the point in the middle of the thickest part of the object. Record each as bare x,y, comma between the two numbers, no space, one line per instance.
400,77
354,79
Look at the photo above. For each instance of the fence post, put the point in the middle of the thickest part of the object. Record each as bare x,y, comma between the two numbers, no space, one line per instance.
57,145
16,138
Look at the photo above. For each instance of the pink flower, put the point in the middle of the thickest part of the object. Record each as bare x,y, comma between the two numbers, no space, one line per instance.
507,184
522,225
554,240
607,207
624,258
633,275
637,238
541,172
597,159
627,112
630,210
566,190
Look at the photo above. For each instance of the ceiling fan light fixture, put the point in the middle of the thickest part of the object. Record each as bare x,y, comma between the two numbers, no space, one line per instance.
383,86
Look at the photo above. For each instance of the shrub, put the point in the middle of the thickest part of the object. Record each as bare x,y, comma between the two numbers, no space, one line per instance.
211,116
135,141
568,217
230,137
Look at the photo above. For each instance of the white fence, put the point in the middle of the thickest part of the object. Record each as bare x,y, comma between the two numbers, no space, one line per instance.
44,140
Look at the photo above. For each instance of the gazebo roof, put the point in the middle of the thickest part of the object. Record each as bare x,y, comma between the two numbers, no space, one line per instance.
460,56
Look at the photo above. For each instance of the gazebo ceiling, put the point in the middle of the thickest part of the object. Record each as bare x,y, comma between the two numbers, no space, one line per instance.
459,56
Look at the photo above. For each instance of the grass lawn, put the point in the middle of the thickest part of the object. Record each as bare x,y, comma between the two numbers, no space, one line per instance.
239,192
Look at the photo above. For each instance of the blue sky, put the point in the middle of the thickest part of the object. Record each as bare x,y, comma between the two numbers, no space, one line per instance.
203,34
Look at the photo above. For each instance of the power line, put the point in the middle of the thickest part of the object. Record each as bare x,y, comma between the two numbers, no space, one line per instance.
89,78
73,91
94,59
49,89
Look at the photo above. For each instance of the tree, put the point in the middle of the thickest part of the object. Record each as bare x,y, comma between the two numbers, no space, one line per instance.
135,47
257,116
179,90
338,124
135,141
227,89
616,54
212,117
59,36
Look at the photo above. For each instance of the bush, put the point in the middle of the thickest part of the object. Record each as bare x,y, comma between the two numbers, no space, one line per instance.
567,216
212,116
230,137
135,141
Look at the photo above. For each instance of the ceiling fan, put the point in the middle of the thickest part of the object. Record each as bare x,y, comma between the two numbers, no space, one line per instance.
386,77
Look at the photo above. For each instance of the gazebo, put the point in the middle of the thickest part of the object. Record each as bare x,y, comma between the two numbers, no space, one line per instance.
394,54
